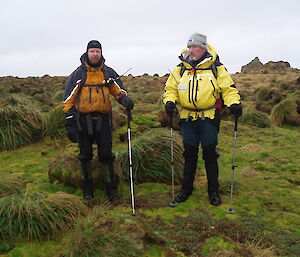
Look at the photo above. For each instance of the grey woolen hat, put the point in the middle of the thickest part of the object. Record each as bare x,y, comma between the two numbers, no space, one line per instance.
198,40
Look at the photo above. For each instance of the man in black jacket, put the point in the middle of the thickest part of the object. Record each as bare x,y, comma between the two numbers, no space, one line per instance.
88,109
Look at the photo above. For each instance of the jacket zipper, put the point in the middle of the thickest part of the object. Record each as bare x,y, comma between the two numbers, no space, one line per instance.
213,87
193,91
190,92
103,95
90,95
196,90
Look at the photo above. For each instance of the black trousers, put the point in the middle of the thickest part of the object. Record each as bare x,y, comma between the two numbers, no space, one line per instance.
101,134
204,132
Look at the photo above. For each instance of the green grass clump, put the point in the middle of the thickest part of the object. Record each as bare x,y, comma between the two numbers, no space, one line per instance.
11,183
20,124
103,234
151,157
255,118
285,113
143,120
55,124
37,217
263,94
213,244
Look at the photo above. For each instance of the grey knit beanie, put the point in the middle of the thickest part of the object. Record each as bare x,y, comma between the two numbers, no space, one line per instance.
198,40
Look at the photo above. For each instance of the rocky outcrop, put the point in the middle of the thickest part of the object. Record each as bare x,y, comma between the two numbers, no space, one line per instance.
254,64
277,65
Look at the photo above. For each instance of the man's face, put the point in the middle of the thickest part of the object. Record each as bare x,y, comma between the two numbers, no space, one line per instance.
94,55
196,52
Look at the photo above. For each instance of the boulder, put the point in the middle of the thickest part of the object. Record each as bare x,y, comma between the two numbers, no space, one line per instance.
254,64
277,65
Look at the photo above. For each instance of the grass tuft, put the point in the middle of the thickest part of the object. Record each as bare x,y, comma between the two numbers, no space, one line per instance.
101,234
11,183
151,157
285,113
255,118
35,217
55,124
20,123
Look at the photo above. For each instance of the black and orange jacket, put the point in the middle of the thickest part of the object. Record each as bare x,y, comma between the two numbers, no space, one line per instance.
87,89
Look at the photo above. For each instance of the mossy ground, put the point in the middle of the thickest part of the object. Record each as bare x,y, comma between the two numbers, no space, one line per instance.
266,188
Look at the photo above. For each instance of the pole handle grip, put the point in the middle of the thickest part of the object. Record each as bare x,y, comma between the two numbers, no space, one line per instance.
171,121
129,118
236,123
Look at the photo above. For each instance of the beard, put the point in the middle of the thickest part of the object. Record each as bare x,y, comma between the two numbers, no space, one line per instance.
94,62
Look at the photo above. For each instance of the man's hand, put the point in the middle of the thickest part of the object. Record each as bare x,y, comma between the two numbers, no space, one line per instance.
236,110
170,108
126,101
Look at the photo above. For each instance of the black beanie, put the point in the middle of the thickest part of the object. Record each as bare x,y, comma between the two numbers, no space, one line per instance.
93,44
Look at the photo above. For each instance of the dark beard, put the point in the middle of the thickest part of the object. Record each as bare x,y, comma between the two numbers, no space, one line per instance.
95,65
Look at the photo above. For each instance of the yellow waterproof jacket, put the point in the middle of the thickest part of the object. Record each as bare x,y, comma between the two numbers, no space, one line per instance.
198,88
87,89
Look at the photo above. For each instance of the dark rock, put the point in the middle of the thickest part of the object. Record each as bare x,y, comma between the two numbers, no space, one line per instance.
277,65
254,64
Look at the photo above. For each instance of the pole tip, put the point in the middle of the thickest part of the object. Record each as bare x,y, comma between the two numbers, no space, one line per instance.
230,211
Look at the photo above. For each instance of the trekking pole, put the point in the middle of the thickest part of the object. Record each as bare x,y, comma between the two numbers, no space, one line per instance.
129,118
230,210
172,154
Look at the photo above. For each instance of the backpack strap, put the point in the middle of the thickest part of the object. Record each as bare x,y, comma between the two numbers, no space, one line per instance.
213,68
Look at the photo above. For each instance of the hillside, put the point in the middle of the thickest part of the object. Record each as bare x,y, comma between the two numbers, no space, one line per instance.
41,211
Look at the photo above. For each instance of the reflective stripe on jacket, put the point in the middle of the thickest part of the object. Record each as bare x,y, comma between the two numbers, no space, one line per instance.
198,88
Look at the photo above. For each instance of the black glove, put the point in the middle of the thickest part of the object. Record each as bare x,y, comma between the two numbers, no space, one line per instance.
72,128
126,101
170,108
236,110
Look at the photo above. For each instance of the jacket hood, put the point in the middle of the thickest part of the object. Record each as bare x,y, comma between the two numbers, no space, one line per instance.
208,60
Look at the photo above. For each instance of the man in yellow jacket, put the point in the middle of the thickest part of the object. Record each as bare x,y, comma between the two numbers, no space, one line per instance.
87,108
197,85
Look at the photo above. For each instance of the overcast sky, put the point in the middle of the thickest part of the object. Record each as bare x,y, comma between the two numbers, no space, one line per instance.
41,37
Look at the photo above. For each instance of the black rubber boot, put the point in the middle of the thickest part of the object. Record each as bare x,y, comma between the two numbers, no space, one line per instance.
181,197
214,198
190,165
212,173
87,185
110,181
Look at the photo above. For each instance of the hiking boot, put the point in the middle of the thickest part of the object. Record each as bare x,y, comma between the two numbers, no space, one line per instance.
88,196
179,199
214,198
113,196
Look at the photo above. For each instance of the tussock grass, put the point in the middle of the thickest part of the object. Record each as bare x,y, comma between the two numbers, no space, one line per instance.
55,124
151,157
101,234
285,113
255,118
262,94
36,217
11,183
20,124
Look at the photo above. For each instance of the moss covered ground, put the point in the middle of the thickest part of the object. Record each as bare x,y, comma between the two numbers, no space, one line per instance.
266,191
266,186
